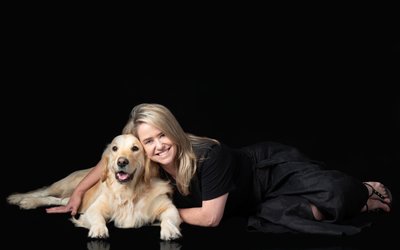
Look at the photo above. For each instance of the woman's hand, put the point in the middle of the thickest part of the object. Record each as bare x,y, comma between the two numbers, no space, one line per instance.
72,206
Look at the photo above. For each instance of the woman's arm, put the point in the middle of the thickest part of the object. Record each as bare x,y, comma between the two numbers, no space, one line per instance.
209,215
76,198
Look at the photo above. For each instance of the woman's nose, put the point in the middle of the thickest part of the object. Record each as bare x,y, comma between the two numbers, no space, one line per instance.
159,144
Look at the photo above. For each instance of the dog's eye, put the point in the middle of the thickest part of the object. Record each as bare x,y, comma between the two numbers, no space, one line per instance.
115,148
134,148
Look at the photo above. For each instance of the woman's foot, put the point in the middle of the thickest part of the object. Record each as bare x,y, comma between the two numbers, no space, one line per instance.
317,213
379,197
375,205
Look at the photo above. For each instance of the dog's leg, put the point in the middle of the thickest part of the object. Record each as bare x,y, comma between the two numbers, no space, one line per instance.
94,222
169,223
35,199
94,219
16,198
32,202
55,194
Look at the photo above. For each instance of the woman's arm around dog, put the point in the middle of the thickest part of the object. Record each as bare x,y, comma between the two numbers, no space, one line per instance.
76,198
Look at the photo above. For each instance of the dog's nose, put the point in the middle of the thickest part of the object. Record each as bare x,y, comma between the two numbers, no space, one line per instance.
122,162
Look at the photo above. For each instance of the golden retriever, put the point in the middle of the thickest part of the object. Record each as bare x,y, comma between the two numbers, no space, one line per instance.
129,194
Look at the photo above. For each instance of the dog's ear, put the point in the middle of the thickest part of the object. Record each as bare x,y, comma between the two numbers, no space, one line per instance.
105,158
128,127
105,170
150,170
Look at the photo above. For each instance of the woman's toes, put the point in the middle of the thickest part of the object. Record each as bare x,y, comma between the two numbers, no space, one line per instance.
374,204
380,188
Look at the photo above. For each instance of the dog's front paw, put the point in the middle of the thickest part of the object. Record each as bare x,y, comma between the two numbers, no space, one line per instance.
169,231
98,231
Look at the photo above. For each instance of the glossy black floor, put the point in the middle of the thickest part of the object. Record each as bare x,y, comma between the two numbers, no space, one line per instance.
36,230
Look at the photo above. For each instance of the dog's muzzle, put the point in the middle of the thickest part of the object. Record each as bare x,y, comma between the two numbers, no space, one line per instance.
121,175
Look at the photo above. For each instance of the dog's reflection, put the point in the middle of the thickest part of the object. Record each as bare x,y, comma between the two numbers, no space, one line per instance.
169,245
98,245
105,245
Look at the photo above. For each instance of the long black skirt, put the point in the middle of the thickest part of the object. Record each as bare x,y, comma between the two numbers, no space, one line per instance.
285,184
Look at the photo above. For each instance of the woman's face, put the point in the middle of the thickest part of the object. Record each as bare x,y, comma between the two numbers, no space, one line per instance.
159,148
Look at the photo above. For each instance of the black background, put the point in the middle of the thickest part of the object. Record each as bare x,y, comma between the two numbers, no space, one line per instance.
327,88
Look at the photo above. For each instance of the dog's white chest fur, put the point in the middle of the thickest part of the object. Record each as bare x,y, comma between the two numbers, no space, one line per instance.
127,214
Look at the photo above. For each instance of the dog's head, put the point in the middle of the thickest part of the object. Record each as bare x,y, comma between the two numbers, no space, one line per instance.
125,159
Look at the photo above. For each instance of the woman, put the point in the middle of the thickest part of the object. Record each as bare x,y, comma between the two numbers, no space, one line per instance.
274,185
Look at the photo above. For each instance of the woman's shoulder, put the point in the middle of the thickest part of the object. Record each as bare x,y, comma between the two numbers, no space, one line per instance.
206,149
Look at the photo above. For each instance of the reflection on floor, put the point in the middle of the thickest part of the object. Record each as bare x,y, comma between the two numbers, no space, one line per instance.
36,229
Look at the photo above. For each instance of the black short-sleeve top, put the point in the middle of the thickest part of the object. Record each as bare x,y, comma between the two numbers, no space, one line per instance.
220,170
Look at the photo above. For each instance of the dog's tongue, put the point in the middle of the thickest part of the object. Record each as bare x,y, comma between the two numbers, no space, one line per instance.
122,175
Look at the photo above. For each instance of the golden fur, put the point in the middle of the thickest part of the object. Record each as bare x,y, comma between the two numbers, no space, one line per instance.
128,194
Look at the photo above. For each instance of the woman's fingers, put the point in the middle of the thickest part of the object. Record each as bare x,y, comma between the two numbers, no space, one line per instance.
60,209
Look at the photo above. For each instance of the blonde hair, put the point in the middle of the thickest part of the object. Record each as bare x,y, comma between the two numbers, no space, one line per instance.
161,117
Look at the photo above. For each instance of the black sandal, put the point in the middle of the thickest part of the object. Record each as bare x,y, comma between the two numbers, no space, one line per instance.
381,196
